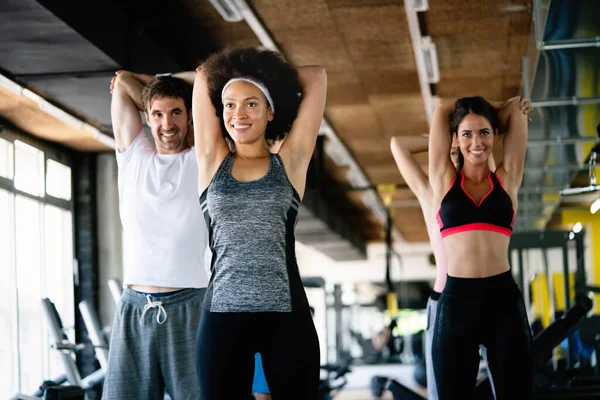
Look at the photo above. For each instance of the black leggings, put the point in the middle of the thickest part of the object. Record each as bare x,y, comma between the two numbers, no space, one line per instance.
288,343
488,311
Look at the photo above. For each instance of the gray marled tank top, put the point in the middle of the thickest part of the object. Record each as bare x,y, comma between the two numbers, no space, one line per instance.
251,237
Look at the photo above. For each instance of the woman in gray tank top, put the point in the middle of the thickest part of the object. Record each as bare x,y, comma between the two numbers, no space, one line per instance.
244,101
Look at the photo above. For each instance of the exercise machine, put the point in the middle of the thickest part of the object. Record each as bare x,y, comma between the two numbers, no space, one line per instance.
69,385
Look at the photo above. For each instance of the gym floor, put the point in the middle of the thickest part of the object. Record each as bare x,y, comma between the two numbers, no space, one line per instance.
358,387
360,395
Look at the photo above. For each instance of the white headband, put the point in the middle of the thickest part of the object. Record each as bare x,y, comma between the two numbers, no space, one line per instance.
256,83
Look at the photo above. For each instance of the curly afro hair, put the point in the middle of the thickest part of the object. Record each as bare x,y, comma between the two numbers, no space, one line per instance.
265,66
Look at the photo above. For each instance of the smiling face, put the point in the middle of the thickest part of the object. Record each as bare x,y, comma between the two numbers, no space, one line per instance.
169,122
246,112
475,138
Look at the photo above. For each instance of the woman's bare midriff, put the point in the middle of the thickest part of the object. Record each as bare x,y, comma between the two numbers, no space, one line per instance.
152,289
477,254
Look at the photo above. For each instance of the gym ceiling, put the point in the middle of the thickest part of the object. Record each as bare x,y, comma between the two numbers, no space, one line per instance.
386,60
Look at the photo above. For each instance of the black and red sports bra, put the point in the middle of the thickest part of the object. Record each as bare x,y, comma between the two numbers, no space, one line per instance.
460,213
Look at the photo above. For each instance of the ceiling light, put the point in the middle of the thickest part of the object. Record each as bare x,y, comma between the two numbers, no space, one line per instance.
515,8
65,117
595,206
577,227
430,59
33,96
571,236
10,85
61,115
411,7
248,15
52,110
337,153
227,9
421,5
101,137
355,178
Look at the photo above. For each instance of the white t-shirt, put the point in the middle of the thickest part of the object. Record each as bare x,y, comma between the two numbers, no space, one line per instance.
164,232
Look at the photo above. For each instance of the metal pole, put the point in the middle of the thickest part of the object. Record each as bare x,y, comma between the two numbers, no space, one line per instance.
58,336
540,189
569,44
116,290
388,252
566,277
93,380
330,325
92,324
559,167
565,251
338,307
525,77
560,141
580,275
592,168
580,190
525,288
549,284
566,101
539,24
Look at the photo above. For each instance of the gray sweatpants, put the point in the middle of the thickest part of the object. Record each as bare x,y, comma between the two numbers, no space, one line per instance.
432,393
146,356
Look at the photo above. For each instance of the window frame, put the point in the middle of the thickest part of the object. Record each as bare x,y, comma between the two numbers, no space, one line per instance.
51,152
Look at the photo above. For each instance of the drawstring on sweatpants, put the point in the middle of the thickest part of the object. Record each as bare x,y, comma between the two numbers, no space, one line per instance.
154,304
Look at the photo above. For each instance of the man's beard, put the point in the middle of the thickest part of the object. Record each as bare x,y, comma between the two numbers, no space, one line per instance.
173,142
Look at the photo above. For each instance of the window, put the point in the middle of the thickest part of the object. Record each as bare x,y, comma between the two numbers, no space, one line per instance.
29,169
36,259
8,358
6,159
29,289
58,257
58,180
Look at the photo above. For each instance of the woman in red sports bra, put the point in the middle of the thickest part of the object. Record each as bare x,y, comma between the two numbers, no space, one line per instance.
481,303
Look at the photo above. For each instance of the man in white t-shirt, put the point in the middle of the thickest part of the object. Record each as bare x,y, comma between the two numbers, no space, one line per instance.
152,346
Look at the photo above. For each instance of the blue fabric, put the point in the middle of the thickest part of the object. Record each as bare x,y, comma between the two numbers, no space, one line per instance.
579,348
161,294
259,385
